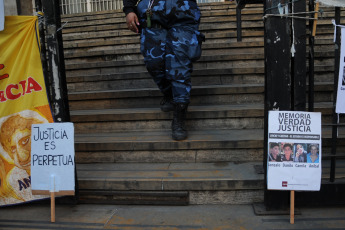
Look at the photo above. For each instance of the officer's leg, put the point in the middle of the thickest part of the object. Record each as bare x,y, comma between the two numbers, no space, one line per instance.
182,49
153,50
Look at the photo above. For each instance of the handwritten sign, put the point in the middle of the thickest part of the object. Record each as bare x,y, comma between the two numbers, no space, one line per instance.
52,157
294,157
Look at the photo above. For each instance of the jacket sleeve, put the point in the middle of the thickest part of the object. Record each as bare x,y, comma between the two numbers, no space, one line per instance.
129,6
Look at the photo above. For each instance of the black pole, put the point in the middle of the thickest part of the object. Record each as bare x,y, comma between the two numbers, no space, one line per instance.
311,60
239,24
298,60
277,85
43,53
336,75
57,77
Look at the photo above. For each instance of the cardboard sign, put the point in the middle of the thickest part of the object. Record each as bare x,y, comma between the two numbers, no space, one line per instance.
294,157
2,15
337,3
340,106
52,158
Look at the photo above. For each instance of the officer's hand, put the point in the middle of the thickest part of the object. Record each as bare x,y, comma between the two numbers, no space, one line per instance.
132,22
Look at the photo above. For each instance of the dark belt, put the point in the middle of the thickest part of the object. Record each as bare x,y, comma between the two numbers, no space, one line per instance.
154,25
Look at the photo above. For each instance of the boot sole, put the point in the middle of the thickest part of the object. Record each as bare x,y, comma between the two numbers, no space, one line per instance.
167,110
179,138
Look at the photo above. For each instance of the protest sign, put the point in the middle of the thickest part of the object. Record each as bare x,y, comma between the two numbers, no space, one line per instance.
294,157
340,105
337,3
52,158
52,161
23,102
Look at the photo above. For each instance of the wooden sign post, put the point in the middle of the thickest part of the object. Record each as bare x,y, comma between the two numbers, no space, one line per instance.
292,207
52,161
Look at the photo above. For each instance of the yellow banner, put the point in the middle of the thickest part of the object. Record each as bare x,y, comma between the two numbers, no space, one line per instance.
23,102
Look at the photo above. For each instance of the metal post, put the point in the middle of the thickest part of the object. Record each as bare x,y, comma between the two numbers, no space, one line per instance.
311,61
239,24
336,75
298,62
57,79
43,50
277,84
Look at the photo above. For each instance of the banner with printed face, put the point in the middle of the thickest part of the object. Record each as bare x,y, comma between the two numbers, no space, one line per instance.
340,105
23,102
294,145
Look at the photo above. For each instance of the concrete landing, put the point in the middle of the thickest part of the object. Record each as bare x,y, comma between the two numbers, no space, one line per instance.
217,217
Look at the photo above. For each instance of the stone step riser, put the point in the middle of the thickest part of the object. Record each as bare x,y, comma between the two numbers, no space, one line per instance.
170,156
250,152
256,121
118,103
110,52
196,100
191,124
148,83
138,66
114,53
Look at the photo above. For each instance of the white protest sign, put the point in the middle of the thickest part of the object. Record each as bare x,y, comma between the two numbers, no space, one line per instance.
340,105
294,157
2,15
52,157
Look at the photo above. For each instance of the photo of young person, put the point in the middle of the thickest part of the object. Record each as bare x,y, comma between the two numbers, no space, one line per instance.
287,149
274,152
313,155
300,153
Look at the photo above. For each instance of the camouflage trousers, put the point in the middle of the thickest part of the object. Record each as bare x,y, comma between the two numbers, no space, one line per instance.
170,48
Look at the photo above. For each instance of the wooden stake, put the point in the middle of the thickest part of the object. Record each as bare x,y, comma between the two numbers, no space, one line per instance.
52,206
316,15
292,207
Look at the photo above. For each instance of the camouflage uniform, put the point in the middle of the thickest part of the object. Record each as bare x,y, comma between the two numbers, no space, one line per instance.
170,48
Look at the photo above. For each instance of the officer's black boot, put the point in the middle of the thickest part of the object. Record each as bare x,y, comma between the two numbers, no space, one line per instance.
179,131
167,103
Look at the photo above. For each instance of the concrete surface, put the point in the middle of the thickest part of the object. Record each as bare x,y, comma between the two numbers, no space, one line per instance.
193,217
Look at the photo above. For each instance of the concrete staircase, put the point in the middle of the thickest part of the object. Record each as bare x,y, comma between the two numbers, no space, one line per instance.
124,150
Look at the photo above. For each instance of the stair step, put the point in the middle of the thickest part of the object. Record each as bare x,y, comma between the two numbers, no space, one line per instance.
161,140
108,48
193,183
199,117
177,183
150,97
169,176
201,95
244,116
141,79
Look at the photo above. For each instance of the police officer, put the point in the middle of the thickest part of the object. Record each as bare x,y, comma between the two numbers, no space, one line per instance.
170,42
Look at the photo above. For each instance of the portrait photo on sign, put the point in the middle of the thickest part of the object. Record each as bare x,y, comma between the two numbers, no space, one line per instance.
313,153
300,152
274,154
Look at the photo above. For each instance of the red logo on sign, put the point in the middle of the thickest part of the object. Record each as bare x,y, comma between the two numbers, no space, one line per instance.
284,184
4,75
